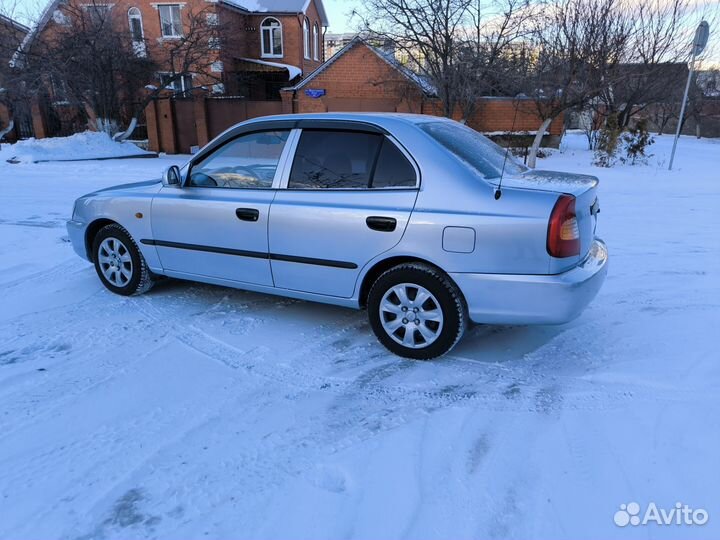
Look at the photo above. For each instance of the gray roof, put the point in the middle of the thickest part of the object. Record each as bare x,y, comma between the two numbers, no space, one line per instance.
279,6
13,23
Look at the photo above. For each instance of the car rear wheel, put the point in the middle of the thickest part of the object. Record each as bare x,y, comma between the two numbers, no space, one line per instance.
416,311
119,263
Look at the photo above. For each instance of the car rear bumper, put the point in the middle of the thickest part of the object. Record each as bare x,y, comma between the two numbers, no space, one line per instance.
523,299
76,233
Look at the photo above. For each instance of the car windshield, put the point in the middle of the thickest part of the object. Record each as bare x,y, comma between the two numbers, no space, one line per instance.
475,149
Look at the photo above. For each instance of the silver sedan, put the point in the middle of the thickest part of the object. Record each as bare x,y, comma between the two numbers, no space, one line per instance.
421,220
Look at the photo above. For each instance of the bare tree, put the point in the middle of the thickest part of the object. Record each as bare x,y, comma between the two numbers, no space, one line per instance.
427,32
578,42
459,46
493,55
89,60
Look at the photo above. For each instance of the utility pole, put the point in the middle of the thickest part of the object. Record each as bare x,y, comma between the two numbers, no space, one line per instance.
701,38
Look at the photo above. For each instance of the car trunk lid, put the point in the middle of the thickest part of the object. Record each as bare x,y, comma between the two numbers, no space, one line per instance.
583,187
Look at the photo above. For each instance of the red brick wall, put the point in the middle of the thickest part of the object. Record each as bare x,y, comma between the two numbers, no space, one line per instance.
359,78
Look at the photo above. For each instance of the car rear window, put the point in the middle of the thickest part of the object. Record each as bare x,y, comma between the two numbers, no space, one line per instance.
473,148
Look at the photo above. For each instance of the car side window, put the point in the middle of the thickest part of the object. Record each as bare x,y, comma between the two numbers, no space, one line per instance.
334,160
248,162
393,169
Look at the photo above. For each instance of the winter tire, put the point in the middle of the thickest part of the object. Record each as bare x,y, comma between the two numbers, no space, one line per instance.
416,311
119,263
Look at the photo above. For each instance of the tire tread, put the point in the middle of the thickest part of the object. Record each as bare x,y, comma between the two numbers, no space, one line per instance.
444,280
147,279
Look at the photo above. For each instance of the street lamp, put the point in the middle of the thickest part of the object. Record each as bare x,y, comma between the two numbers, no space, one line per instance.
699,43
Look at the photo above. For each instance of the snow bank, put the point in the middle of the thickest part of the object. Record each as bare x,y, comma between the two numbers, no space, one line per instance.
81,146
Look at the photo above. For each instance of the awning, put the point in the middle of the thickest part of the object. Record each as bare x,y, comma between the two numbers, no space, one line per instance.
252,64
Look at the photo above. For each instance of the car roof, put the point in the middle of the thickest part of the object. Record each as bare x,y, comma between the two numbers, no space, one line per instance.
379,119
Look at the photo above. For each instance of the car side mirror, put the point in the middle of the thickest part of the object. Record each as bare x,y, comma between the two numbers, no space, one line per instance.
171,176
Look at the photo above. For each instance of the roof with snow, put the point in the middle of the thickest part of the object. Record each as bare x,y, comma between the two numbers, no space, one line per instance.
279,6
419,80
293,71
47,13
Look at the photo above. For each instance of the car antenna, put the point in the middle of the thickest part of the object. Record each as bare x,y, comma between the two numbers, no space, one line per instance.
498,191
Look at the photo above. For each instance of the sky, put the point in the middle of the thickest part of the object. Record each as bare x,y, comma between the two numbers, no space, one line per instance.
338,13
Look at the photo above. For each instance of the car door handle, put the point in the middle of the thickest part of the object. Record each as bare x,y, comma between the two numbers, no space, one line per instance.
383,224
247,214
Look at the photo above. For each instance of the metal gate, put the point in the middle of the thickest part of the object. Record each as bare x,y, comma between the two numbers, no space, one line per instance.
22,116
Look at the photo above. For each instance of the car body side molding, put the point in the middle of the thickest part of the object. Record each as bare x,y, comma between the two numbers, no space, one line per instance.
253,254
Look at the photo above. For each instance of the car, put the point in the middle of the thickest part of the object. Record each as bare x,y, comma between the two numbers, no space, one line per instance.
424,222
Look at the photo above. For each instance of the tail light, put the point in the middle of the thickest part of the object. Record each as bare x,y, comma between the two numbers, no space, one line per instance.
563,239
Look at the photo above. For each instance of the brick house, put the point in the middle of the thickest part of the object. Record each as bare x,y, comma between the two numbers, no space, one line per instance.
261,45
12,34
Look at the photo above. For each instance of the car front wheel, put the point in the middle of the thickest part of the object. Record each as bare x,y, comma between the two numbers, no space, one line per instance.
416,311
119,263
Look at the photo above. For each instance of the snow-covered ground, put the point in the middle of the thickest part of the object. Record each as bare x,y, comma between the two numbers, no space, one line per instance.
80,146
203,412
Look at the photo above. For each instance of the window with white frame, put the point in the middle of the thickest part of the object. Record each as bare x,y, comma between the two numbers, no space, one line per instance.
212,19
135,22
170,20
136,31
306,38
179,84
272,40
316,42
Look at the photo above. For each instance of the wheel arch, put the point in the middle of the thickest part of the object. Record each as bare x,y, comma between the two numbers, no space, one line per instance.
380,267
91,232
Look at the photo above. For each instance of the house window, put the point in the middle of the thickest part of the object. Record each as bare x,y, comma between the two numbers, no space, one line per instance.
135,21
98,13
179,84
306,38
170,21
316,42
272,44
214,43
136,31
59,90
212,19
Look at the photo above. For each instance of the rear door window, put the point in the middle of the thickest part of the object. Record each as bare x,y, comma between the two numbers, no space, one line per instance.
393,168
332,159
